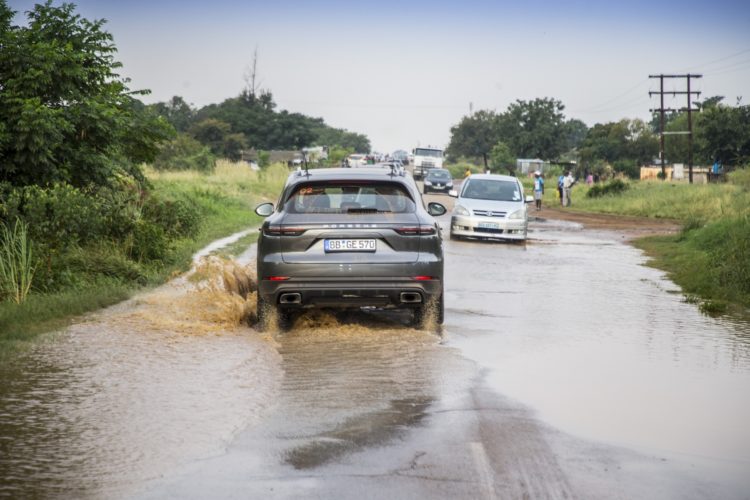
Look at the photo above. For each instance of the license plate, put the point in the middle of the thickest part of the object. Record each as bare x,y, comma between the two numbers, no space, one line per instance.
349,245
488,225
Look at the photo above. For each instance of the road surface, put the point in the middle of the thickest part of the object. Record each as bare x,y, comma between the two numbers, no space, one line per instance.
565,369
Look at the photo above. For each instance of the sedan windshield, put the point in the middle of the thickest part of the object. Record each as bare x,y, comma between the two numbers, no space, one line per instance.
486,189
439,174
350,198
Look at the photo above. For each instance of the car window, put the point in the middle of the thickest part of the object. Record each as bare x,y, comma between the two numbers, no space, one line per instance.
486,189
350,198
439,174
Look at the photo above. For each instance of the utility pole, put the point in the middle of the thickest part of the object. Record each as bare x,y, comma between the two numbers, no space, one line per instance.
662,110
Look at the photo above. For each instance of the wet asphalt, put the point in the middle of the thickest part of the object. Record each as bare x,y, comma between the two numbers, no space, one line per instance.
566,368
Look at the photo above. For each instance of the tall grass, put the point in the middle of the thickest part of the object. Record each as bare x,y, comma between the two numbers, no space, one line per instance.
16,262
710,258
701,202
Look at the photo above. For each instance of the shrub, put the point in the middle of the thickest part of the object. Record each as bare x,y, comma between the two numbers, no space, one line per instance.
613,187
149,242
179,218
628,167
57,217
185,153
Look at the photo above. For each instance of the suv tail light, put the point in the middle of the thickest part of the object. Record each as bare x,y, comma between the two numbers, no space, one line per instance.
422,229
278,230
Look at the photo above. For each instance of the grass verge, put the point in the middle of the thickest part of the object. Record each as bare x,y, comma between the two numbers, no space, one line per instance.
710,258
225,200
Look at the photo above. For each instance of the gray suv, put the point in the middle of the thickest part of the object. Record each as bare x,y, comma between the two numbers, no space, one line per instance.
349,238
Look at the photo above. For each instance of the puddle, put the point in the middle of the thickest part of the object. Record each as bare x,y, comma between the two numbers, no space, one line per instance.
601,347
133,391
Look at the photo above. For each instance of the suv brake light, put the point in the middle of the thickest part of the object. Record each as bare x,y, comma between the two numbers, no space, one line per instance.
277,230
422,229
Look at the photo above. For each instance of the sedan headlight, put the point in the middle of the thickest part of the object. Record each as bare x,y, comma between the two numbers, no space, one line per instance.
518,214
459,210
427,183
449,184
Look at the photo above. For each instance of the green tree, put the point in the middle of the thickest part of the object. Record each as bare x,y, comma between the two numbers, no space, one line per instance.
723,133
474,136
177,112
535,129
66,115
501,157
212,133
575,132
626,145
184,153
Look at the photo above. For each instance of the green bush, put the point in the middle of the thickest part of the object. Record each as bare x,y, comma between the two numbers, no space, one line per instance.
149,242
178,217
613,187
628,167
185,153
97,265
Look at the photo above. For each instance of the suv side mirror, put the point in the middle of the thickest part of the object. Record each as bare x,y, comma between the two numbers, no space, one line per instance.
264,209
453,193
436,209
529,199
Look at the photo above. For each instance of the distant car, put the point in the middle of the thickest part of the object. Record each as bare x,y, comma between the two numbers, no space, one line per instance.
402,156
490,206
349,238
356,160
437,179
396,165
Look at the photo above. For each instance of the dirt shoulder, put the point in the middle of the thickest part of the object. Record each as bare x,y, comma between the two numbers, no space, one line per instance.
633,227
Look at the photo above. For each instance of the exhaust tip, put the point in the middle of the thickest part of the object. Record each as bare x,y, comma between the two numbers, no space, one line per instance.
411,297
290,298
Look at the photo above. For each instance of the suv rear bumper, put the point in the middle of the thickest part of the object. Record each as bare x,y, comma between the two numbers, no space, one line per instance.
358,292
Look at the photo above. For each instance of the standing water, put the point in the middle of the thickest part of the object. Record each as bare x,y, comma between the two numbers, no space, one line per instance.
136,390
576,327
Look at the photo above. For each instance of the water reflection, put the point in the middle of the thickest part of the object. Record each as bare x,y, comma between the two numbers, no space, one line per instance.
594,341
375,428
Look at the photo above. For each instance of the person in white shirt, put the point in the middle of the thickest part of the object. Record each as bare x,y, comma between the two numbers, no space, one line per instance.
568,183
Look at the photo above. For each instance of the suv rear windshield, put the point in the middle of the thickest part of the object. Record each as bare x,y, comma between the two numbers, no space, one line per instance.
485,189
348,197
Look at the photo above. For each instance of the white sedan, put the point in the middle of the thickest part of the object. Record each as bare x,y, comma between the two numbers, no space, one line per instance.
490,206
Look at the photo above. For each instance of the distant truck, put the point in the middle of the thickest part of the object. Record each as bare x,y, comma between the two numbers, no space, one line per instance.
425,159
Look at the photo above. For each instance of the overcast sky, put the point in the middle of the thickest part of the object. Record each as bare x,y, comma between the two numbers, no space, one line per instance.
404,72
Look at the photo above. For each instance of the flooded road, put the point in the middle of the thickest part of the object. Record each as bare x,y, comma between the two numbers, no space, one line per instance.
565,369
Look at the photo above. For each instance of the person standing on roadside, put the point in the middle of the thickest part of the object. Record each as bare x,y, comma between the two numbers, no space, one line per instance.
568,183
560,182
538,189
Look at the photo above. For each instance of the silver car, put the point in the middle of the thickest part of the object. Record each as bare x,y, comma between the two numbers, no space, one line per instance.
349,238
490,206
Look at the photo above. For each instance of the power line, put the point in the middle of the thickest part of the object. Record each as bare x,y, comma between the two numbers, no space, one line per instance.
703,65
633,88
